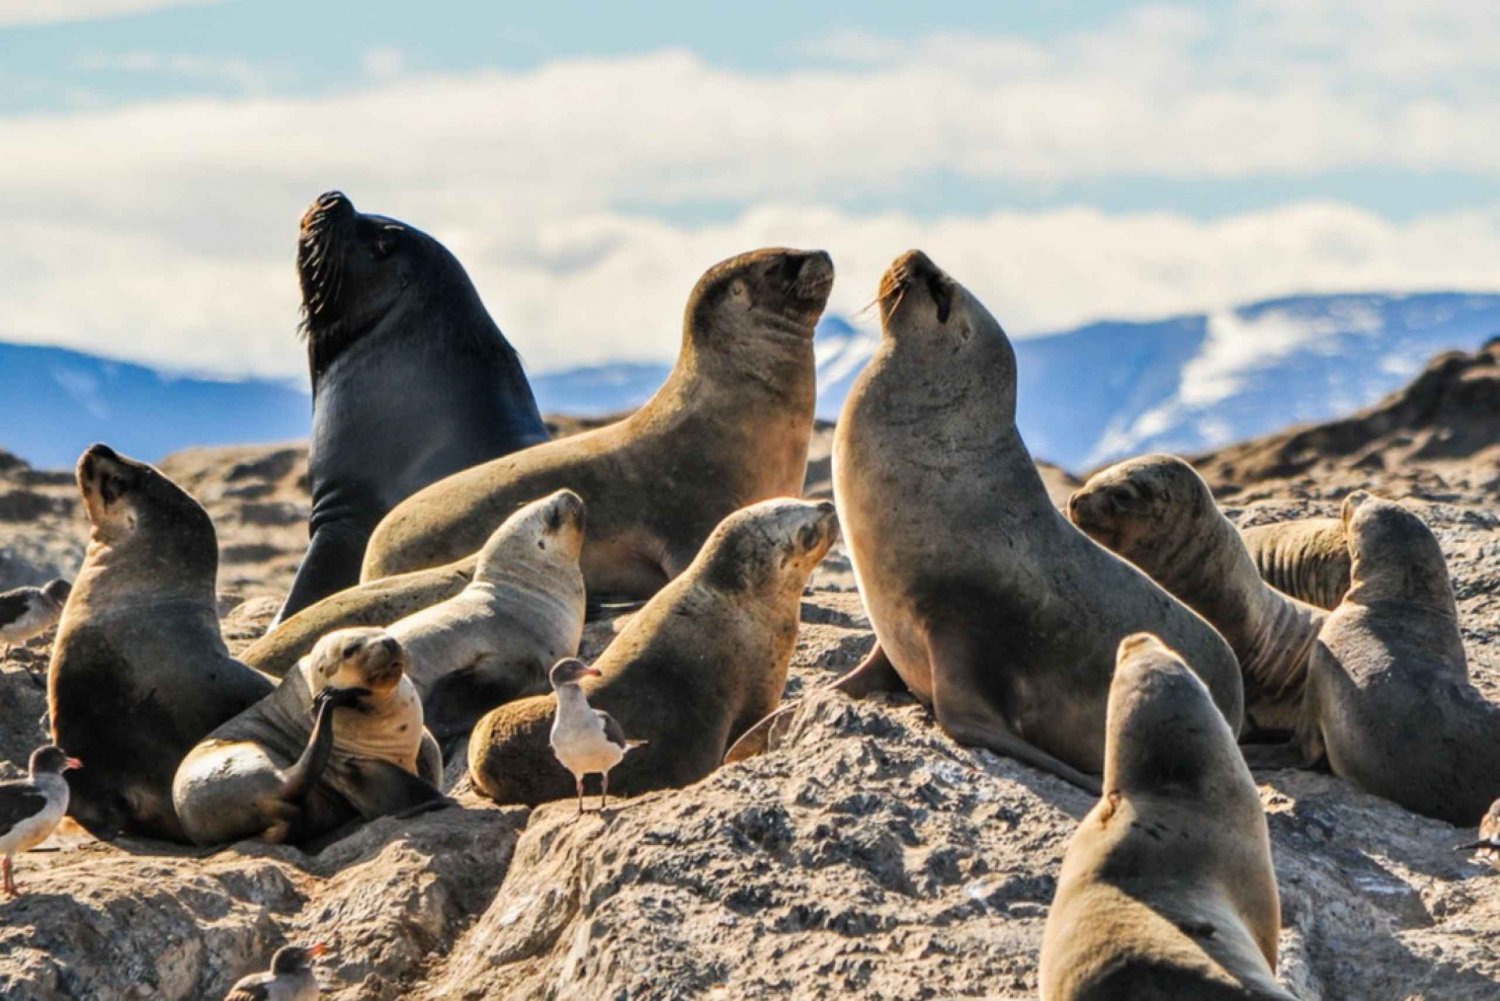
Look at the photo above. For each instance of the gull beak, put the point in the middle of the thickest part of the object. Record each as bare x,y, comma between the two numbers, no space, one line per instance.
72,763
593,671
318,949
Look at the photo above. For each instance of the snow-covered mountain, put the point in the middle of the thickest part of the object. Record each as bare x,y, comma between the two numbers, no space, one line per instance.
1086,396
1190,383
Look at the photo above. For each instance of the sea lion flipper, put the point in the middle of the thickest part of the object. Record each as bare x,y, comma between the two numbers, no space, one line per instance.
387,790
969,718
304,774
873,674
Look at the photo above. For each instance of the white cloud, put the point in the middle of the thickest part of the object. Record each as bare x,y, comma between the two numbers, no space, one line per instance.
383,61
238,72
602,286
22,13
166,231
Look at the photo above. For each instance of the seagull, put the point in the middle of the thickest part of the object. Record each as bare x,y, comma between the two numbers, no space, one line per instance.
583,738
1487,848
290,977
31,808
30,611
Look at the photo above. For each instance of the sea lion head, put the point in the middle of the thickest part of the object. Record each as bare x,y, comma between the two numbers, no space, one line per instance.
775,543
132,506
1393,554
1134,505
770,293
360,657
355,269
547,531
961,344
1163,733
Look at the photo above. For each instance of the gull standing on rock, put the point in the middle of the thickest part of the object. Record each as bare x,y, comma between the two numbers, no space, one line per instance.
290,978
31,808
30,611
583,738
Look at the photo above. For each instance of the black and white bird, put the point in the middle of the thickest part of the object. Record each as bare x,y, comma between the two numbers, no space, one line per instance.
290,978
30,611
1487,848
31,808
584,739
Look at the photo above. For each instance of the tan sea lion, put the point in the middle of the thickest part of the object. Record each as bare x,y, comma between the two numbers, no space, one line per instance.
730,427
1388,693
495,634
704,660
1167,891
990,607
496,639
139,670
377,603
1157,512
1306,558
339,740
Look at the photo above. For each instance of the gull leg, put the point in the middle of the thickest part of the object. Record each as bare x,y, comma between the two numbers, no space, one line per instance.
604,793
10,880
579,780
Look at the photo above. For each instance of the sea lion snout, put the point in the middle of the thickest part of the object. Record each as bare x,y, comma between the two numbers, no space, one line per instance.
567,510
103,475
809,274
823,531
328,205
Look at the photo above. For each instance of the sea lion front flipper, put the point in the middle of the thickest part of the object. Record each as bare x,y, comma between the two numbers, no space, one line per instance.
304,774
967,716
873,674
430,759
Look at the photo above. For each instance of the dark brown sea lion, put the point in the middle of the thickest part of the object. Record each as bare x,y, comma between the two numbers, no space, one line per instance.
411,380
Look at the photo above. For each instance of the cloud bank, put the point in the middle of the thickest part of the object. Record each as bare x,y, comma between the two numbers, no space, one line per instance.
575,192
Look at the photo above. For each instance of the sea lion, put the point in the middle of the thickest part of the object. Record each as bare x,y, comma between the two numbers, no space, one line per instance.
1167,889
496,633
411,381
1157,512
495,640
1306,558
705,659
139,671
339,740
377,603
986,603
1388,695
730,427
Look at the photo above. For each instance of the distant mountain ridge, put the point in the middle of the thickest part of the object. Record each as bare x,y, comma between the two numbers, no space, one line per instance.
1086,396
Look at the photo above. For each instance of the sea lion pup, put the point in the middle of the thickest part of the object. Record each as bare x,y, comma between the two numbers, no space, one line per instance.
729,427
1167,889
339,740
494,634
496,639
990,607
1306,558
705,659
411,381
1388,695
139,670
1157,512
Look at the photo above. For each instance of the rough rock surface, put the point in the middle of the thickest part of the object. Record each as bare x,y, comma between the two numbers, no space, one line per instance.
870,856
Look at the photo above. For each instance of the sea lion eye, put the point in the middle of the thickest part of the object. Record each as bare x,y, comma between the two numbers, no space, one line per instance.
1120,498
738,289
942,297
350,649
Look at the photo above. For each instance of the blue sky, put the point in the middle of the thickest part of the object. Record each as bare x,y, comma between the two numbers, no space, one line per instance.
1066,160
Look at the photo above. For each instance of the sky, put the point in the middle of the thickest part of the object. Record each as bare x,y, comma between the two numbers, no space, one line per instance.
1067,161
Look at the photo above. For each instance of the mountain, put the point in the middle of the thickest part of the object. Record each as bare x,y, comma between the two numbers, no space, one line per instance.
1189,383
1086,396
56,402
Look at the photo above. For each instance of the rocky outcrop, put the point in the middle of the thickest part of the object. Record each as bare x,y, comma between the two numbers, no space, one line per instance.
867,856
